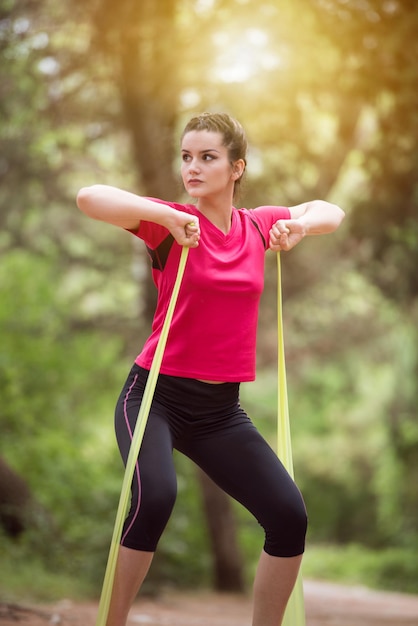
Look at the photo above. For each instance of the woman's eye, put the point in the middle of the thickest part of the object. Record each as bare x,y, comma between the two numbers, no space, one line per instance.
185,157
208,157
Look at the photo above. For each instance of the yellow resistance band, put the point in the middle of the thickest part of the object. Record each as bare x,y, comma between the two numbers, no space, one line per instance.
295,611
135,447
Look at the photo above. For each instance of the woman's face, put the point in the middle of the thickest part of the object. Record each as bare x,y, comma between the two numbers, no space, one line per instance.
206,169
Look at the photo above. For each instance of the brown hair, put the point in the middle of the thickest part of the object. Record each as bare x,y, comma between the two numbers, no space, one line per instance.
234,138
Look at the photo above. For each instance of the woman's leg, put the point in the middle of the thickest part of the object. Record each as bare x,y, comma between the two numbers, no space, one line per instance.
273,584
131,568
242,463
154,483
153,495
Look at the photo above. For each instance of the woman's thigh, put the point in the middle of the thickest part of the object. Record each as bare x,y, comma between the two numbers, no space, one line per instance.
243,464
154,483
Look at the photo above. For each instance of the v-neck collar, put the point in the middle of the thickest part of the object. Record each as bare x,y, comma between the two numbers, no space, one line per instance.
215,230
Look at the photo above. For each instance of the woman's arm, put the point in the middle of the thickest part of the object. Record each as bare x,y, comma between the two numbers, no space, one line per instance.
125,209
310,218
319,217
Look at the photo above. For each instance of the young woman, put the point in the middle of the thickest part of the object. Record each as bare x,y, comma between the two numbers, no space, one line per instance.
210,350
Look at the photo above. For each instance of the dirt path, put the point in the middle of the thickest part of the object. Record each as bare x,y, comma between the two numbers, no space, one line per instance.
326,605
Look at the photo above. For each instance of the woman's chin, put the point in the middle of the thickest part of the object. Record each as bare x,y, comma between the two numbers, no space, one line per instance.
193,193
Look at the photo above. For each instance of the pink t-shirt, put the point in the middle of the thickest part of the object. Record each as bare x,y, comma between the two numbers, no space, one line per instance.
213,330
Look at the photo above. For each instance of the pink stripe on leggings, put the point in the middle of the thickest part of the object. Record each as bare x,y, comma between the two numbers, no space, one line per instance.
137,473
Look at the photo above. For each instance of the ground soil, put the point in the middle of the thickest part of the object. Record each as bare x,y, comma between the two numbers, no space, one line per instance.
326,605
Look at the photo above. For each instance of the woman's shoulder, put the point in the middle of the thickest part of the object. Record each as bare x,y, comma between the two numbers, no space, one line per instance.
263,218
266,212
152,233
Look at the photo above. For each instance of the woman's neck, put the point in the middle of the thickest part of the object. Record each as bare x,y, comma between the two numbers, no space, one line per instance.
218,212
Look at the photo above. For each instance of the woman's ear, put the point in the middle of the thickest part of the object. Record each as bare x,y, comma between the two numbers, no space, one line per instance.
238,169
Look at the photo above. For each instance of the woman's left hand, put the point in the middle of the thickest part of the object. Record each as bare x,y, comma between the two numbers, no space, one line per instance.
285,234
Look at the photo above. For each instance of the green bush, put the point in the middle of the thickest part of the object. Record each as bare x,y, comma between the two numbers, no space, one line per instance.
393,569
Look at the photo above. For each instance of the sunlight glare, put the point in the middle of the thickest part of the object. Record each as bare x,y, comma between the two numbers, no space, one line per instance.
243,56
190,98
204,6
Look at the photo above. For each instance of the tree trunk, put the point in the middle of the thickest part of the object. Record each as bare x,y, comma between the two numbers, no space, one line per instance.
17,504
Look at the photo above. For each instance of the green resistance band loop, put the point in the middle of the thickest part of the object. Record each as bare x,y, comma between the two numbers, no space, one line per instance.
295,610
135,447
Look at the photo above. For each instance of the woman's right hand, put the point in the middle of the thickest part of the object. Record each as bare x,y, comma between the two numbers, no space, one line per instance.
185,229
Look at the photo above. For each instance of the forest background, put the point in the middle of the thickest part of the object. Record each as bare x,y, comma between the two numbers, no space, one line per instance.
96,91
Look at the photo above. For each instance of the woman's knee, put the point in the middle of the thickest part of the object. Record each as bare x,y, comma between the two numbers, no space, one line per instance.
286,533
148,517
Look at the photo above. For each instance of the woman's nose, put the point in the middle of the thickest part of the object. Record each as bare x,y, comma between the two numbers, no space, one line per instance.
194,166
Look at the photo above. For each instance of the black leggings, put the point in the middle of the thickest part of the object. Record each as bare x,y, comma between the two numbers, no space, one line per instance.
206,423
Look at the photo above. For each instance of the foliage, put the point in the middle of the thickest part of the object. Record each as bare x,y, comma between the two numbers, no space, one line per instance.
24,578
353,564
52,425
